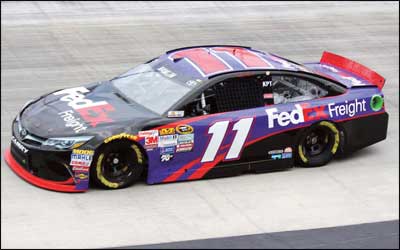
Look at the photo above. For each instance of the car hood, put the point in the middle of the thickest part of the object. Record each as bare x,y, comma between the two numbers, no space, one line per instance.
84,110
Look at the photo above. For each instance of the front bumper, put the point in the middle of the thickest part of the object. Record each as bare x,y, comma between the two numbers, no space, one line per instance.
43,167
62,186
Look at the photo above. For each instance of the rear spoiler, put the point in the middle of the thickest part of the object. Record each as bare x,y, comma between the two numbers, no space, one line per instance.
353,67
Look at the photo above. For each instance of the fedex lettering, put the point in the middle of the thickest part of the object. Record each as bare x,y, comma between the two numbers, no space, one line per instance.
92,112
302,113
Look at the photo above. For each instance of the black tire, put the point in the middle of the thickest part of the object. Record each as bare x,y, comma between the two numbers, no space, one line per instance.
118,164
318,144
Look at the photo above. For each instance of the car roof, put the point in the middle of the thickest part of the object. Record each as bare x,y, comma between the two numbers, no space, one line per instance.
206,61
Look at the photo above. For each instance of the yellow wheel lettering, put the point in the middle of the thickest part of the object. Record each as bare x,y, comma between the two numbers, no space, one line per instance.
301,154
101,177
336,132
138,153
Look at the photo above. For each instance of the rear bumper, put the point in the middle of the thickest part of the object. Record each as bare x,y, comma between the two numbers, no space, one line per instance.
61,186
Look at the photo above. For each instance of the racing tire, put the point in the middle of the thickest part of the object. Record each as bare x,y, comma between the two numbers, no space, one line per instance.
318,144
118,164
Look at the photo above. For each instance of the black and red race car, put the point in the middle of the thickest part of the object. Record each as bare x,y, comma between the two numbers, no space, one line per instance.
198,112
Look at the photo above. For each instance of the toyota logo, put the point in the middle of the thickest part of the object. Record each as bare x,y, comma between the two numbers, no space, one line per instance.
24,132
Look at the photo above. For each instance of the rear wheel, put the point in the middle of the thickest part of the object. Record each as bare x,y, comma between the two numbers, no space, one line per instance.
118,164
318,144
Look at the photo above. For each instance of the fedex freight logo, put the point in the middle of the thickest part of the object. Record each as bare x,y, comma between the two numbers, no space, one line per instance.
92,112
301,113
305,113
347,109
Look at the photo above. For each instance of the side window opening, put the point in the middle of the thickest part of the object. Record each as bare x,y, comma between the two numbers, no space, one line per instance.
228,95
288,89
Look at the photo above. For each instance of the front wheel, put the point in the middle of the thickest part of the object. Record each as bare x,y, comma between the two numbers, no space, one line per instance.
318,144
117,165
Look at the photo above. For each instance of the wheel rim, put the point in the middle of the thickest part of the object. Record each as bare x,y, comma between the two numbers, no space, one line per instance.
316,142
118,164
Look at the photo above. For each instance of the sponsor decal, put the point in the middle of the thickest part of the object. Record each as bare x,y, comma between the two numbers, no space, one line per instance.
146,133
92,112
288,150
184,147
184,129
81,157
150,142
166,72
72,121
167,150
19,145
80,168
301,113
121,136
276,156
167,140
348,108
287,155
275,151
81,176
166,157
186,138
167,131
176,113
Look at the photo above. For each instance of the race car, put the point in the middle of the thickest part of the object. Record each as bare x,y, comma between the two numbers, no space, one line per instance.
198,112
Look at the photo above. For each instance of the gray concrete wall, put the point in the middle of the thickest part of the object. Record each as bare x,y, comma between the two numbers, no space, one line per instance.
50,45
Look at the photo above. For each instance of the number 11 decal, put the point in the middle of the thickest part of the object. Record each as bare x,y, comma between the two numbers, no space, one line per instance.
218,131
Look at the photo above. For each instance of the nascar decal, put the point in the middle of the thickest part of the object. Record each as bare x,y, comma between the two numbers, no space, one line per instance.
184,129
92,112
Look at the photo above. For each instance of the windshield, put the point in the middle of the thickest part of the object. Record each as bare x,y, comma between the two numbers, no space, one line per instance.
150,88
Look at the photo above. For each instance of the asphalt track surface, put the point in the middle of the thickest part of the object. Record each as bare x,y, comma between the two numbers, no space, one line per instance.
51,45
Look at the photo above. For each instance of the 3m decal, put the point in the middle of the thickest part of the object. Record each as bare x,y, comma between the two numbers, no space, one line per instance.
348,108
218,131
92,112
150,142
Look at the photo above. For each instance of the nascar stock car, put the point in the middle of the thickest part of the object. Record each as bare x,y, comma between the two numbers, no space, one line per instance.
198,112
